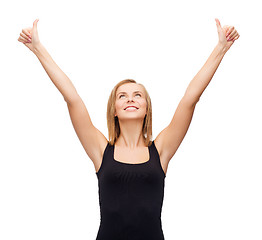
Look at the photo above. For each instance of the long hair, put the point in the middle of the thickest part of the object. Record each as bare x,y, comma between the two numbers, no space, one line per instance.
112,120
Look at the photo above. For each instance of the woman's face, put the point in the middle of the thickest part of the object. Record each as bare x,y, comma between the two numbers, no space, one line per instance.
127,95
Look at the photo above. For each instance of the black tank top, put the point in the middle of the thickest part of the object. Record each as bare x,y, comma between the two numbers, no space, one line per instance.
130,197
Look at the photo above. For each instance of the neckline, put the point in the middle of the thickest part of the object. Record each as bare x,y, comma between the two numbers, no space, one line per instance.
132,163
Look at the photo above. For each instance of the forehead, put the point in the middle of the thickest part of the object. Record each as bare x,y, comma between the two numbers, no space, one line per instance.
130,87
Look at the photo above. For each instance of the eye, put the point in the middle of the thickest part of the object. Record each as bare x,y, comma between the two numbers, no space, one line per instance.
137,94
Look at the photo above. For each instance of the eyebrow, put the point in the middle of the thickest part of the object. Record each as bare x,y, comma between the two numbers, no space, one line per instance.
133,92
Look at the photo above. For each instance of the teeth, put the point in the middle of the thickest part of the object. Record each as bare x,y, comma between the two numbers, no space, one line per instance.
131,108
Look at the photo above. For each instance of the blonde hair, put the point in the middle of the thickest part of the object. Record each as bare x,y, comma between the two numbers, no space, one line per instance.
113,123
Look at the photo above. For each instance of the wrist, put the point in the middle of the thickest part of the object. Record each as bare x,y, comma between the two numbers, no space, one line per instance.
37,48
222,49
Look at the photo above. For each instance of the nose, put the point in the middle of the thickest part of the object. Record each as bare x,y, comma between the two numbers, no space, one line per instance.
130,99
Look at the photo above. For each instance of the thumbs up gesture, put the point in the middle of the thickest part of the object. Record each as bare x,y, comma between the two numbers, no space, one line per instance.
227,35
29,36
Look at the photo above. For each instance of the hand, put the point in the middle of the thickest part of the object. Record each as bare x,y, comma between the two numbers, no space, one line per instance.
29,36
227,35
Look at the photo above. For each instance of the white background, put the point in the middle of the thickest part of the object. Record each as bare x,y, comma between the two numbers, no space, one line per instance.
48,185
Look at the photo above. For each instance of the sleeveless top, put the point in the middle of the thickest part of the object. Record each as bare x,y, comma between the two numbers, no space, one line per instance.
130,197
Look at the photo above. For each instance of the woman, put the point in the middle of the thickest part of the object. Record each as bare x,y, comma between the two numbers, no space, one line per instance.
130,167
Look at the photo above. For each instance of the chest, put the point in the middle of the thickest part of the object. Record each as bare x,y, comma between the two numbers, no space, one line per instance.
132,156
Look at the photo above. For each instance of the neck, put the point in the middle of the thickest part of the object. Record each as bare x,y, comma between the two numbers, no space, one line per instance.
131,135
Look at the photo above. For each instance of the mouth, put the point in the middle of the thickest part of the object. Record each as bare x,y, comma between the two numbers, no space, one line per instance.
131,107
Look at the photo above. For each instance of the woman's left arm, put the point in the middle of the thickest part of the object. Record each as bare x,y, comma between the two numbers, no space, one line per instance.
168,141
227,36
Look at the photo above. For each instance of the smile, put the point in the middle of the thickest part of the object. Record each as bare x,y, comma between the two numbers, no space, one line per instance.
131,108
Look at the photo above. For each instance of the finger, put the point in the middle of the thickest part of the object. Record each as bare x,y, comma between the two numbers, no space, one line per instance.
35,22
237,37
20,39
232,34
230,30
26,32
23,40
25,36
218,24
234,37
35,25
226,28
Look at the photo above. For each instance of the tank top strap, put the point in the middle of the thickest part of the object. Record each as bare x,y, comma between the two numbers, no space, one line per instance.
156,157
109,163
107,157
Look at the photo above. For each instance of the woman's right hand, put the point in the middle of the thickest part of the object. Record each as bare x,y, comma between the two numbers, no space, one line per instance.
29,36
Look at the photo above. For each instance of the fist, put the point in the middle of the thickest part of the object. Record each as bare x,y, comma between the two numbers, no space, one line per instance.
227,35
29,36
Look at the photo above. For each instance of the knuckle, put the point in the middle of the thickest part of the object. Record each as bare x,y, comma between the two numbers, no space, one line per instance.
25,32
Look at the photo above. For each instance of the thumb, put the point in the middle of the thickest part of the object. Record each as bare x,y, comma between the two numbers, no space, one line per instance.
35,25
35,38
219,28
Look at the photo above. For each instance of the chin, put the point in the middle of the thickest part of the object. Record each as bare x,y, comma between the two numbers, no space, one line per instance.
137,117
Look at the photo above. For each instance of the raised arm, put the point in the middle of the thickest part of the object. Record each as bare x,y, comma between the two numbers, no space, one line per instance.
171,137
30,38
227,36
91,139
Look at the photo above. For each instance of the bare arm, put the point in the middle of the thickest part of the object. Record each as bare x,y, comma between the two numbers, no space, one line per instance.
91,138
199,83
171,137
227,36
30,38
57,76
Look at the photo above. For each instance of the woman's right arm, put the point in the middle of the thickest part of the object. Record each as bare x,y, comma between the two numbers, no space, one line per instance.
29,36
93,141
57,76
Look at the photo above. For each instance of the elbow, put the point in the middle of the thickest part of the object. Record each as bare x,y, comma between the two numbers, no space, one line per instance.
72,99
191,100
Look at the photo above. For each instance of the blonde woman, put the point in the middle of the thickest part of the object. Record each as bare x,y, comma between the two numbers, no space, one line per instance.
130,166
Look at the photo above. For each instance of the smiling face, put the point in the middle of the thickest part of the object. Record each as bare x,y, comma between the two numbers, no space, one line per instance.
130,102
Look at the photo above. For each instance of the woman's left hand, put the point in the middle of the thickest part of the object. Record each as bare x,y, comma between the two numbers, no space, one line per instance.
227,35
